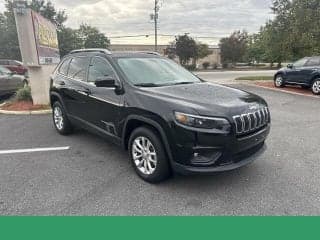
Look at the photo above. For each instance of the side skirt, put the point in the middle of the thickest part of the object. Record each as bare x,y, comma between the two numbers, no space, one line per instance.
94,129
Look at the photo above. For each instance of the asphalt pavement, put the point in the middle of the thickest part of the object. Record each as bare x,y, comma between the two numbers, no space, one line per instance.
230,76
89,176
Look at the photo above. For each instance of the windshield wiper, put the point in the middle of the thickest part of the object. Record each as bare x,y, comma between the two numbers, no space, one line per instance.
161,85
182,83
147,85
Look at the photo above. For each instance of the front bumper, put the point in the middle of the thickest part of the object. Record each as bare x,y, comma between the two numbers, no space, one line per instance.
220,153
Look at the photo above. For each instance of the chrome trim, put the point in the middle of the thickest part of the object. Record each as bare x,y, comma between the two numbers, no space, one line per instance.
101,99
251,121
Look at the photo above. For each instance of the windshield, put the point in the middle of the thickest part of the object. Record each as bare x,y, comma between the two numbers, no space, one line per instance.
152,72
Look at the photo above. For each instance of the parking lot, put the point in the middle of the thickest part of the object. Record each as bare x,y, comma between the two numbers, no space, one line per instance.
84,175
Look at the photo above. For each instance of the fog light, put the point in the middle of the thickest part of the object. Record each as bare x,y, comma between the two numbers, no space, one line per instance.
206,157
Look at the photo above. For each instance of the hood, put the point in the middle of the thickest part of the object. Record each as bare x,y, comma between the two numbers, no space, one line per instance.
209,99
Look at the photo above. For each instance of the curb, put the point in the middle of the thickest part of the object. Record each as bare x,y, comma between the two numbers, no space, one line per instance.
41,112
284,91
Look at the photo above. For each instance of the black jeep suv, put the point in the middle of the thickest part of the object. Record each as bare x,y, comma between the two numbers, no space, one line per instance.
166,117
304,72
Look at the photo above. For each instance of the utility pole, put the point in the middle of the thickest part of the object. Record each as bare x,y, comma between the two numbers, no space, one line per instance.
156,10
155,16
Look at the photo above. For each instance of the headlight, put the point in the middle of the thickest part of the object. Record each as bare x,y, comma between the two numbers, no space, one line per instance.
217,125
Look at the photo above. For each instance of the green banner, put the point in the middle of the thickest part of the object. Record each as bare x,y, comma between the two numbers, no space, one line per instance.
160,228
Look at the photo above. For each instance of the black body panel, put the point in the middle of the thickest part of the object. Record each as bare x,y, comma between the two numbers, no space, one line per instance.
113,112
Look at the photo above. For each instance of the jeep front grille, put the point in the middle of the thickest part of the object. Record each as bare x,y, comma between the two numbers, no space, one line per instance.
250,122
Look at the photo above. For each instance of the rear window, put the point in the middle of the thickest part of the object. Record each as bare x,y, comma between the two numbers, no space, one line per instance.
78,68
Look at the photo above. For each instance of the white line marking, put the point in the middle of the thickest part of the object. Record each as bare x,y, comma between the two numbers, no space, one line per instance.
30,150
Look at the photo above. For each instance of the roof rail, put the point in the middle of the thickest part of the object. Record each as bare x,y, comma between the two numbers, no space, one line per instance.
101,50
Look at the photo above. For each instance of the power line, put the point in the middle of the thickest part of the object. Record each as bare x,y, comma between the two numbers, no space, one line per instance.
162,35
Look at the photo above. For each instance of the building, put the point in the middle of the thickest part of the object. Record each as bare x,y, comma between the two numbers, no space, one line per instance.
214,58
138,47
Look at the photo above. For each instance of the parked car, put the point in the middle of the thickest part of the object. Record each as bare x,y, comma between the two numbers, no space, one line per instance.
305,72
168,119
10,82
14,66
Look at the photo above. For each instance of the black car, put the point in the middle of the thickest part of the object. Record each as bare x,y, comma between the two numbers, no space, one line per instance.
305,72
168,119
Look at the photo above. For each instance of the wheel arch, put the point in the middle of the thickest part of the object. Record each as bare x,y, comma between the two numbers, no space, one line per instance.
136,121
314,77
277,74
56,97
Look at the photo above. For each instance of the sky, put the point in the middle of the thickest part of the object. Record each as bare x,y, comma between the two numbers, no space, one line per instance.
212,19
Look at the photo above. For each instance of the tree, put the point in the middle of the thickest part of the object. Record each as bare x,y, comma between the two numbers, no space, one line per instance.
293,33
9,44
47,10
92,38
68,40
233,48
255,51
202,51
304,25
170,51
186,48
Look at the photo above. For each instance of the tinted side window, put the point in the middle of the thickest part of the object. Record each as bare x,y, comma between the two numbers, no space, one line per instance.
99,68
315,61
63,69
78,68
301,62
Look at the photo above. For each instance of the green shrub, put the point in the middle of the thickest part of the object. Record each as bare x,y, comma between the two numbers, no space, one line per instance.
205,65
23,94
191,67
215,66
225,65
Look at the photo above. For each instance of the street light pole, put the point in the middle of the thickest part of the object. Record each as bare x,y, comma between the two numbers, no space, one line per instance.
156,10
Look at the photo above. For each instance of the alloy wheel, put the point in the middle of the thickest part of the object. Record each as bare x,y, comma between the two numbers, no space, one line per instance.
316,87
144,155
58,118
279,81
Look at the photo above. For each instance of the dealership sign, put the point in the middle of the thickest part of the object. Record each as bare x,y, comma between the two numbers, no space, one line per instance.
46,39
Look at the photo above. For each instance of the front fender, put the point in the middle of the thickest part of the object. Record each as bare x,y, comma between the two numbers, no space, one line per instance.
154,124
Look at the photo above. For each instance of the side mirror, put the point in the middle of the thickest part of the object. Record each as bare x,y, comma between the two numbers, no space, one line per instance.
290,65
107,82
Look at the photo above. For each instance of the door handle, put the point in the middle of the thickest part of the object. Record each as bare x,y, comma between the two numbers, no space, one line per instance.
85,91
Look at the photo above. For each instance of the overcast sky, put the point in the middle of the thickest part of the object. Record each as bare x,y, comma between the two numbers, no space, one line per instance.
210,18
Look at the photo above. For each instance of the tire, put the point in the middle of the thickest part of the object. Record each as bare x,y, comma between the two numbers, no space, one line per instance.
154,164
60,119
278,81
316,86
